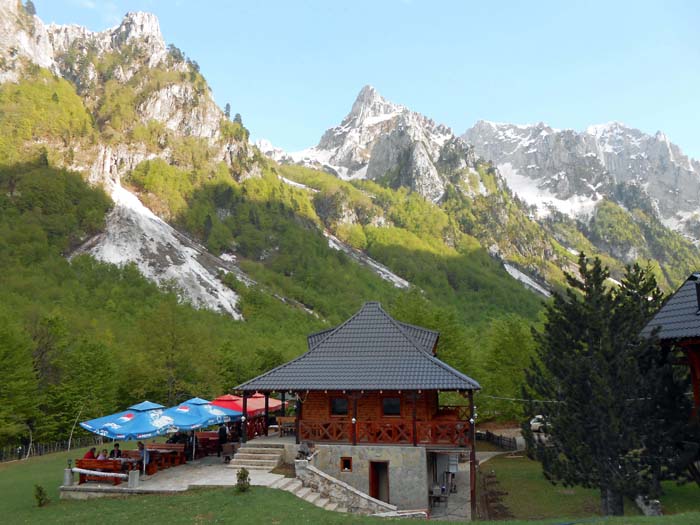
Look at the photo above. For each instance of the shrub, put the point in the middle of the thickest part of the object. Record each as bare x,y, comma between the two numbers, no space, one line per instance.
42,499
243,480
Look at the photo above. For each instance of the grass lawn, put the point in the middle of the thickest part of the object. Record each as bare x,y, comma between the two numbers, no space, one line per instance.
259,505
485,446
531,496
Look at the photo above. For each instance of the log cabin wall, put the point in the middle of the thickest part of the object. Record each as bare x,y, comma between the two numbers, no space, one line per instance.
317,405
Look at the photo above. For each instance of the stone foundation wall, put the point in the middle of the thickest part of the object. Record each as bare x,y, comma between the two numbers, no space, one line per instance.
408,470
339,492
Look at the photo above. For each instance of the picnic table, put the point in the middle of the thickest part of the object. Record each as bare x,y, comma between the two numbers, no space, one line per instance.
173,452
135,455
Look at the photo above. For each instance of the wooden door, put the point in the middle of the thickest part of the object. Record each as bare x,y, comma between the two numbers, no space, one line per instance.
379,480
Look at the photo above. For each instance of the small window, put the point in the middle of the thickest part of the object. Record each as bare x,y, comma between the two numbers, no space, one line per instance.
345,464
391,406
339,406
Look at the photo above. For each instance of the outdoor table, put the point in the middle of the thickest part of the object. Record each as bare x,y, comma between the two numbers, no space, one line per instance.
127,463
166,456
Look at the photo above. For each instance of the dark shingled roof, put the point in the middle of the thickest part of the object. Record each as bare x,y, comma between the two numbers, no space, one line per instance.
678,318
369,351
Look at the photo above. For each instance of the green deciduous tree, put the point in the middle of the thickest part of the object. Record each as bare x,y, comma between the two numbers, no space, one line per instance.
508,348
18,393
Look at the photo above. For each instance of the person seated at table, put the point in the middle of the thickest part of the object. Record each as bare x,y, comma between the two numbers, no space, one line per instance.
90,454
116,452
144,456
177,437
103,455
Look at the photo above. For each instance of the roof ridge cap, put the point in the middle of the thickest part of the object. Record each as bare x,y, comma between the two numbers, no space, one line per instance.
419,327
334,330
283,365
410,338
451,369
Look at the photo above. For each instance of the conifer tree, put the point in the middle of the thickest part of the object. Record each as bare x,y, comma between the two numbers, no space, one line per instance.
603,389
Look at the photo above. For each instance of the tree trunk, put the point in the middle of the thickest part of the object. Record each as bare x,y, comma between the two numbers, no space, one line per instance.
612,502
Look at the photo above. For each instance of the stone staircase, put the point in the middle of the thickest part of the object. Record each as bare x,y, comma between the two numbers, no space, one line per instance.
257,456
294,486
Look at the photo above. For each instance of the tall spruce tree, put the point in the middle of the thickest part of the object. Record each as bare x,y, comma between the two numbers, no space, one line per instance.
610,398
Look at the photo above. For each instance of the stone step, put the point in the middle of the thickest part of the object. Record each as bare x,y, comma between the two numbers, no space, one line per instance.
269,457
312,497
331,505
293,486
259,450
322,502
249,464
303,492
341,509
259,444
282,483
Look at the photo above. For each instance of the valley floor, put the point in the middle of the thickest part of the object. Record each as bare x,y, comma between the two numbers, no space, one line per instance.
259,505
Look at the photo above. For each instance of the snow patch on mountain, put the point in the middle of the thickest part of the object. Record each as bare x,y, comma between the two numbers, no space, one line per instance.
378,268
529,191
527,281
134,234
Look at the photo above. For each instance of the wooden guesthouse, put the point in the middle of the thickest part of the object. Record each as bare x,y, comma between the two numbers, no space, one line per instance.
678,324
368,396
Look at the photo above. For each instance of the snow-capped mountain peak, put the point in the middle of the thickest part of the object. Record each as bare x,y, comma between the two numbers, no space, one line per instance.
377,138
571,171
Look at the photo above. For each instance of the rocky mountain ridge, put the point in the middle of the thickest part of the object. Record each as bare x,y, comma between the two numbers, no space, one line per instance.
113,71
382,140
572,171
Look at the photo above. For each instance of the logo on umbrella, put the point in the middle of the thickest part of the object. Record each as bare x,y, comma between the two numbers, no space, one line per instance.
126,417
183,408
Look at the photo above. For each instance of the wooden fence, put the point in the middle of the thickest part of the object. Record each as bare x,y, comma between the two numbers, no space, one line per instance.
506,443
13,453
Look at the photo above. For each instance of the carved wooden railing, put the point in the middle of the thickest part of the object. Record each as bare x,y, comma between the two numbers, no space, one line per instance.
440,432
457,412
385,431
255,426
388,431
325,430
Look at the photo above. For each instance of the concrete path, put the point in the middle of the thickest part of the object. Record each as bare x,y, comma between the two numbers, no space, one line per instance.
207,472
483,457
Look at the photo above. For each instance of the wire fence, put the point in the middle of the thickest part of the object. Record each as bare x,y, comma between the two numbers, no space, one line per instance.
16,452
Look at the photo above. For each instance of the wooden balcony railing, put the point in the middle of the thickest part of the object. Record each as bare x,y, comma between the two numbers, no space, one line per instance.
388,431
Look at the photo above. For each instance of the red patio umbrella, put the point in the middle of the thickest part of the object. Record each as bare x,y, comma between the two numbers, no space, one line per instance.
256,404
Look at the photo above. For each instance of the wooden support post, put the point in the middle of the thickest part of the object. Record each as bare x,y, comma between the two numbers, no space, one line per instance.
298,418
267,411
472,454
693,354
354,419
283,411
244,419
415,425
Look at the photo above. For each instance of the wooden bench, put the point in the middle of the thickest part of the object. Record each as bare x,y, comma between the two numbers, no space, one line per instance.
102,465
176,455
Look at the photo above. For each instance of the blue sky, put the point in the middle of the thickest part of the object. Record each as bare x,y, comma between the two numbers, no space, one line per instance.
293,69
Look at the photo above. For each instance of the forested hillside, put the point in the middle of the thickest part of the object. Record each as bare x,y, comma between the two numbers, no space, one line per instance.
80,337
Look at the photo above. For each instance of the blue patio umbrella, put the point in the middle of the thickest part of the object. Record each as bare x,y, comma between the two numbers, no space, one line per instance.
199,413
141,421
